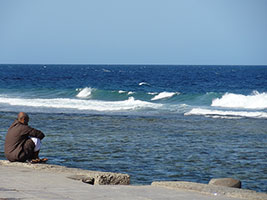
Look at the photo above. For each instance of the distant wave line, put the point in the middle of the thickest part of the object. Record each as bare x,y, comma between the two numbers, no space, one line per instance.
97,105
226,114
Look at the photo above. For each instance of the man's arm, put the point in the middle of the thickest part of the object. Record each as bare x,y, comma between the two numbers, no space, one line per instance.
36,133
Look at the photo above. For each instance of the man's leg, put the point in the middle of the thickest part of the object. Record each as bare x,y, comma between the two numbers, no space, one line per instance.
36,154
38,144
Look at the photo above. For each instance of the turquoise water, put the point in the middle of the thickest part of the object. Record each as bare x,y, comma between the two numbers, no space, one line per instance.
189,123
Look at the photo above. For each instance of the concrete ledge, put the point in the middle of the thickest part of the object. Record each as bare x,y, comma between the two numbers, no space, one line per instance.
213,190
97,178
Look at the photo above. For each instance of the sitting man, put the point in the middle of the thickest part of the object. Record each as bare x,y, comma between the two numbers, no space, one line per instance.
22,142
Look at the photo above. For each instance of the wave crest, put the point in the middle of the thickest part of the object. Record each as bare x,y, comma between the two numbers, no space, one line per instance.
84,93
254,101
143,83
164,95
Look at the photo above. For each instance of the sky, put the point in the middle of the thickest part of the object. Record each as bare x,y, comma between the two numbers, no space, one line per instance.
179,32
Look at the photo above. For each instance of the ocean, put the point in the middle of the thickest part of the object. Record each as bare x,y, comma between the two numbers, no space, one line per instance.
174,123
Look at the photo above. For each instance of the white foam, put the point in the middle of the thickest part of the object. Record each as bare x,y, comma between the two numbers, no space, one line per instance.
152,93
106,70
254,101
84,93
121,91
164,95
143,83
226,114
81,104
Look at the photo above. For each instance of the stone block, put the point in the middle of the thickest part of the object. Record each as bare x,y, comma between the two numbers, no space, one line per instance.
227,182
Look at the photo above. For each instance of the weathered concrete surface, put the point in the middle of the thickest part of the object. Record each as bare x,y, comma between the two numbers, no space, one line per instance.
100,178
35,182
213,190
227,182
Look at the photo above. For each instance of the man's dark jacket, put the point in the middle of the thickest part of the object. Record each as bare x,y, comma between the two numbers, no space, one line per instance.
18,146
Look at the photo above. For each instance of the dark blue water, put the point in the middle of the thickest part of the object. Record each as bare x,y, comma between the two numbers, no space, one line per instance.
187,79
190,123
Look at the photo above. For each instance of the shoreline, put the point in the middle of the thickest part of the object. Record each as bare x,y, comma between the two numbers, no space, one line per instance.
62,178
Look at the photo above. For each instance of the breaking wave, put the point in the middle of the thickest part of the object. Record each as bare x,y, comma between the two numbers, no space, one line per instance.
235,106
254,101
84,93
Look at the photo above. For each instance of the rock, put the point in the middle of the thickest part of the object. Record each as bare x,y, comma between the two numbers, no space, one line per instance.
227,182
89,180
111,179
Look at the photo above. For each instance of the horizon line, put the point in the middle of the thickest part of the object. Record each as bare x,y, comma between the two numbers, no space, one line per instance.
134,64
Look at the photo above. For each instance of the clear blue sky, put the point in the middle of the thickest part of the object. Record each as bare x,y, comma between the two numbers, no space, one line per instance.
133,32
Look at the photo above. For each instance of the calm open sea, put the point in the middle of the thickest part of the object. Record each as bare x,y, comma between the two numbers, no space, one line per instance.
189,123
